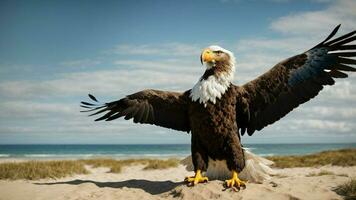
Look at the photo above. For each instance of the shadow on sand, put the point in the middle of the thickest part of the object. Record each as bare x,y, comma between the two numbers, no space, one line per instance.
152,187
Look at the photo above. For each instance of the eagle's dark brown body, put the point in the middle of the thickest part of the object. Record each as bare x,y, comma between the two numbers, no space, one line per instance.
215,132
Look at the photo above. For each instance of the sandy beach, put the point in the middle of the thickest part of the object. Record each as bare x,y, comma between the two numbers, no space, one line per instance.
135,183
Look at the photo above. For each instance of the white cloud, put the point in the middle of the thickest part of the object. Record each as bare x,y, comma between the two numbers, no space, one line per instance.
287,45
319,22
334,113
30,109
82,63
323,125
167,49
323,1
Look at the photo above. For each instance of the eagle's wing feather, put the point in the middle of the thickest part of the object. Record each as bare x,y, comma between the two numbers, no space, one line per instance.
161,108
294,81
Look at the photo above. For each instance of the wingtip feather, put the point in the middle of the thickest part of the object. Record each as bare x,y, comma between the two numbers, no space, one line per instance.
92,97
335,30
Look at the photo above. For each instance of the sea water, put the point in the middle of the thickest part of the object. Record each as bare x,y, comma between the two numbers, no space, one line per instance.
120,151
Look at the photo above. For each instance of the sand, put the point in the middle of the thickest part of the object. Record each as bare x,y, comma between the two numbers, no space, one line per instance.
135,183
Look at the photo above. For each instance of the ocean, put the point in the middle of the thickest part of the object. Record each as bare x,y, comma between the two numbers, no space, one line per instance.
119,151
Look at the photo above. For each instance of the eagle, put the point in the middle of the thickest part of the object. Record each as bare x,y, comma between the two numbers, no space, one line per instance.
217,113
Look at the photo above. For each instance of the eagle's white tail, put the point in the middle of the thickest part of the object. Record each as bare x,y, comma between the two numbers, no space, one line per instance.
257,169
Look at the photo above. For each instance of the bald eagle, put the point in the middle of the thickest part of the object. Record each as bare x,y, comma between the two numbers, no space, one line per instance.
216,112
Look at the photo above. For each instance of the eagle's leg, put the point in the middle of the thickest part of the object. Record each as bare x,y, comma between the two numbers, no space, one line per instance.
198,178
235,182
200,162
235,163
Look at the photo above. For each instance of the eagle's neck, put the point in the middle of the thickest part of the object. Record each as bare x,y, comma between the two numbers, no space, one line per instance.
213,84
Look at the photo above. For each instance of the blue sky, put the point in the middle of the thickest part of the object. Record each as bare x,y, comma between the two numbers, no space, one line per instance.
53,53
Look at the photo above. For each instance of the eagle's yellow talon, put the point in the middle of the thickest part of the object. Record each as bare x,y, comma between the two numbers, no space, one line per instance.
235,182
198,178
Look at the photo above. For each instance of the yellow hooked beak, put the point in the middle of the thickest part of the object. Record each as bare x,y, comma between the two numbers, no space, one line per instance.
207,56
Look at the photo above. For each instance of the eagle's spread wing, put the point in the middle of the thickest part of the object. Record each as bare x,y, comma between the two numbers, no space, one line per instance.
167,109
294,81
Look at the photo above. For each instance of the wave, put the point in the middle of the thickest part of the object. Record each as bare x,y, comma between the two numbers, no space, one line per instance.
4,155
100,155
265,154
56,155
150,155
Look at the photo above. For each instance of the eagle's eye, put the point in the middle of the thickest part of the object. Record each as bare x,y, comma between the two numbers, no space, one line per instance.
218,52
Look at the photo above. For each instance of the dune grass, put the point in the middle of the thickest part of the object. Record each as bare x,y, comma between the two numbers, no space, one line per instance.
34,170
343,157
117,165
161,164
347,190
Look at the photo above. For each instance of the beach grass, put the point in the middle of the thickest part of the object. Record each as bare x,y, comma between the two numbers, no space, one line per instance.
162,164
34,170
347,190
342,157
117,165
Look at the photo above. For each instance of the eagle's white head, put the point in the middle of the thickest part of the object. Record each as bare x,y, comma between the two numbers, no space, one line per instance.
220,68
215,55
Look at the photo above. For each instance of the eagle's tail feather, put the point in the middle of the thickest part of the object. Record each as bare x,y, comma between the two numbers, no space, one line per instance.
257,169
